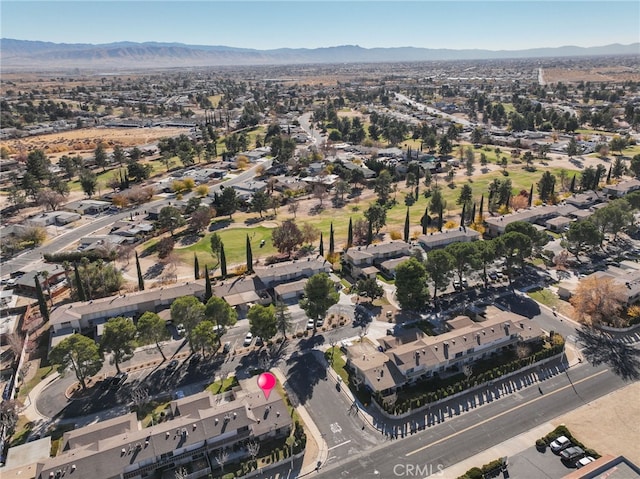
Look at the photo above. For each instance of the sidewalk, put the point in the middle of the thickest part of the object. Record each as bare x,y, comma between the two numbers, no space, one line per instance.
508,448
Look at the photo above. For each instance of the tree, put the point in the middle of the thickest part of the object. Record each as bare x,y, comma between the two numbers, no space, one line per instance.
228,202
8,417
78,283
165,247
613,217
350,234
100,156
444,145
618,143
170,219
321,246
546,186
439,266
200,218
309,233
215,243
341,188
598,300
207,284
286,237
38,165
79,353
437,202
223,261
466,195
486,254
411,285
538,238
382,186
635,165
196,267
464,257
406,227
50,199
42,303
262,321
515,246
249,254
332,243
204,337
118,338
189,312
88,182
618,168
572,147
139,271
376,214
581,234
220,312
260,202
153,329
370,288
320,295
284,322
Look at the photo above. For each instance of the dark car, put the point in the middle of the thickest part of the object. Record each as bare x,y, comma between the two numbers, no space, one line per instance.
118,380
171,366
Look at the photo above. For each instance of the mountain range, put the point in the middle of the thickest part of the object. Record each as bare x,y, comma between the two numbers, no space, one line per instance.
37,55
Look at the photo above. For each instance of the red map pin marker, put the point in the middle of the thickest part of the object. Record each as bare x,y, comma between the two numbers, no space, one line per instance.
266,382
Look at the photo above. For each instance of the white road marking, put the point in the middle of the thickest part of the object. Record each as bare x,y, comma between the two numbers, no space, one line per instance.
335,428
338,445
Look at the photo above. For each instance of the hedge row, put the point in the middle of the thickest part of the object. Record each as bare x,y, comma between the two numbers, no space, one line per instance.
76,256
442,393
488,470
563,431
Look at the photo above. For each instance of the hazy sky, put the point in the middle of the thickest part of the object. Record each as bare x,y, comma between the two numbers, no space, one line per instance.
266,24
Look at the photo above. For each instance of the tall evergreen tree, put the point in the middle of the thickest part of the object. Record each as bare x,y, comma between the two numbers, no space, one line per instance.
196,266
321,248
440,219
223,261
572,187
207,284
350,234
140,277
424,221
331,240
609,174
596,180
406,227
249,256
370,234
531,196
473,213
481,212
464,210
81,294
42,302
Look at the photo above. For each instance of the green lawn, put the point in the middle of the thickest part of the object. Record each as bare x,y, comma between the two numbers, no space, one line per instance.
222,385
544,296
339,364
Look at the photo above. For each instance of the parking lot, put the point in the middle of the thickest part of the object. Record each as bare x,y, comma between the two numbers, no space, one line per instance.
542,465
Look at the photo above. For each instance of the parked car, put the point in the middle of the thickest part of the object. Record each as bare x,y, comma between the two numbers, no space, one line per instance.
180,329
248,339
560,443
584,461
456,285
493,275
259,341
118,380
172,365
310,324
572,453
227,347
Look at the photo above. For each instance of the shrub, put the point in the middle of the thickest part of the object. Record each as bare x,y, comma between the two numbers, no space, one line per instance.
395,235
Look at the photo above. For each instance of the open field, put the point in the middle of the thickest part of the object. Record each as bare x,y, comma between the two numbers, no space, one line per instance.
86,139
608,73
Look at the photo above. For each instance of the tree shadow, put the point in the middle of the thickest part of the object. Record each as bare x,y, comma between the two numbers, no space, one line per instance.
188,239
522,305
219,224
304,373
316,210
601,348
154,271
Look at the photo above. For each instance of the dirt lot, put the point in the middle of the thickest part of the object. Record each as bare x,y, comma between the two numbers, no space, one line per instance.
599,74
85,140
610,425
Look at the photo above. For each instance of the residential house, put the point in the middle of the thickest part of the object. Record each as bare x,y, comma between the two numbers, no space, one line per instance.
83,316
197,429
621,189
415,356
444,238
583,200
496,225
364,261
87,207
242,293
368,173
278,273
558,223
626,278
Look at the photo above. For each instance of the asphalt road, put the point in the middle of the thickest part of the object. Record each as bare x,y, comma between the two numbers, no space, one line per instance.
460,437
100,221
341,426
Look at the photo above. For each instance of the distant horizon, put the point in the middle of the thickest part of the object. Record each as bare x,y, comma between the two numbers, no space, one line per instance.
311,24
178,43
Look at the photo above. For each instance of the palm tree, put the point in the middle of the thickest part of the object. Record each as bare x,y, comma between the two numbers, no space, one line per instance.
45,277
